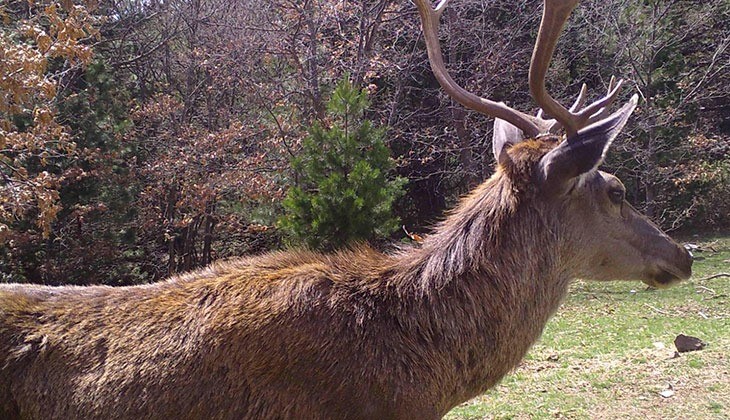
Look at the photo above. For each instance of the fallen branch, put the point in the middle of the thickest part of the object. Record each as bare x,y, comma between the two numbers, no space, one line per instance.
714,276
707,289
656,309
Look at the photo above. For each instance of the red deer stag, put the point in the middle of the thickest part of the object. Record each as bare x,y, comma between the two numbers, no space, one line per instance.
358,334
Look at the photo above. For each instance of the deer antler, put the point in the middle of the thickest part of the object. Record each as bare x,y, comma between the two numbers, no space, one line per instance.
531,126
590,114
555,14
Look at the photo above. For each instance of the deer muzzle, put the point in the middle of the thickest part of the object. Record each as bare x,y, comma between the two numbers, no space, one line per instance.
677,267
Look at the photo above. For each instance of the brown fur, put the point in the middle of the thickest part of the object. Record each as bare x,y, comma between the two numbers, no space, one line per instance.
358,334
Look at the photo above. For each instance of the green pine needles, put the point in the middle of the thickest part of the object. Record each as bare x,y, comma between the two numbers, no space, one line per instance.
344,192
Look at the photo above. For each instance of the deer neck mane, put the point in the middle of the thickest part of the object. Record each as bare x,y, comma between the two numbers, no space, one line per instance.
500,233
491,277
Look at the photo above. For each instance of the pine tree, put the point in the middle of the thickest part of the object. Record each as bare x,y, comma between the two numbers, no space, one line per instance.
344,194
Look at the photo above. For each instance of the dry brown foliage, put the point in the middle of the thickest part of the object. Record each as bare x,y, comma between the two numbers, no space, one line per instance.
40,42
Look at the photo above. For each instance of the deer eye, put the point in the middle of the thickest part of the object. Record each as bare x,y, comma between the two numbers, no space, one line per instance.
616,195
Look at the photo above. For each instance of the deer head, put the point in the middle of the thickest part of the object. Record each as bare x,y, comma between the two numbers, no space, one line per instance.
607,238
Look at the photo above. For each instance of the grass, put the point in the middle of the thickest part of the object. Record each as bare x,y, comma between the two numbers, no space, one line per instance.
609,353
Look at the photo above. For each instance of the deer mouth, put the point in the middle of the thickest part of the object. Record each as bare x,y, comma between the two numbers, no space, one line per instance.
664,278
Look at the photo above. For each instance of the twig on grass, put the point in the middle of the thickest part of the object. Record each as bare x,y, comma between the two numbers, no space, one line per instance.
707,289
714,276
656,309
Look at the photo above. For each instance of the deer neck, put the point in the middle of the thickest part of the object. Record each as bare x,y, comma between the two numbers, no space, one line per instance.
490,278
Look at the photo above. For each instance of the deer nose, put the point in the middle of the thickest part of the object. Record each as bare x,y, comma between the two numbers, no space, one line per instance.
684,261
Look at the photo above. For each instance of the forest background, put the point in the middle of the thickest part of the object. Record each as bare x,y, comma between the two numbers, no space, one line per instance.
140,138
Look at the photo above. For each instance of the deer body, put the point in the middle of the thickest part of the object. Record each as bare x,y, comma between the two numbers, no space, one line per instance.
354,335
359,334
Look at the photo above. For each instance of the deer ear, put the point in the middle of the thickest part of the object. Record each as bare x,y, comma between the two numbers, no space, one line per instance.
584,151
504,135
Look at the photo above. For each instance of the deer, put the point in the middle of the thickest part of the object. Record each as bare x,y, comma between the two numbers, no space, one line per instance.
358,333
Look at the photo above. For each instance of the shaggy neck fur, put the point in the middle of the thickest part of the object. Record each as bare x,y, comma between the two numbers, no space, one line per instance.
491,275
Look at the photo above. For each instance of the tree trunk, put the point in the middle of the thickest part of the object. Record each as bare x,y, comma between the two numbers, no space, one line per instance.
458,119
169,217
311,64
208,227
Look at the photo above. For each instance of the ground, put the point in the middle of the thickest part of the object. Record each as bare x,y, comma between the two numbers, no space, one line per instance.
609,352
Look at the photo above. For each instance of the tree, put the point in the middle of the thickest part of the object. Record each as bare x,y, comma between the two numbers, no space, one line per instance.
344,193
40,43
676,55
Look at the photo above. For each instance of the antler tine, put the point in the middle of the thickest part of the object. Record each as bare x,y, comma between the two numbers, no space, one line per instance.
599,109
555,126
529,125
593,112
554,16
580,100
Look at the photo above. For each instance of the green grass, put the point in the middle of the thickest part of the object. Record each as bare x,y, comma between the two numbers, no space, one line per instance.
609,352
